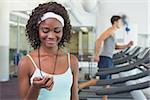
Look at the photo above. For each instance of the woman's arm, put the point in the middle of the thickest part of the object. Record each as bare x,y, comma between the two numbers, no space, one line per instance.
74,67
26,91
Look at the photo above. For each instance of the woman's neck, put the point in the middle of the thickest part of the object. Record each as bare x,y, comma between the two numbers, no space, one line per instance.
48,51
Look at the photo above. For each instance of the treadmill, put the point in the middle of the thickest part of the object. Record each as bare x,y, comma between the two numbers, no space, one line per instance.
133,54
112,92
121,53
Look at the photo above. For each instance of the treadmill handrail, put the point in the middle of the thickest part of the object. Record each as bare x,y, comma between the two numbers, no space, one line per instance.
123,79
119,69
115,70
121,53
123,89
127,58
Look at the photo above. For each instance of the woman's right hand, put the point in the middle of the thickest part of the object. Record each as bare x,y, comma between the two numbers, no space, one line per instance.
45,82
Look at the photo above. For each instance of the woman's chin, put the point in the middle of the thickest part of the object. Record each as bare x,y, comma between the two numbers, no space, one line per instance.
51,45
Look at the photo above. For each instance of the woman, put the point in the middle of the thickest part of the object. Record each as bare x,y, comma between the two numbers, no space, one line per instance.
47,73
104,58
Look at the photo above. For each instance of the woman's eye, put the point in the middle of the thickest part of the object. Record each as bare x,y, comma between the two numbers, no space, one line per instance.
57,30
45,30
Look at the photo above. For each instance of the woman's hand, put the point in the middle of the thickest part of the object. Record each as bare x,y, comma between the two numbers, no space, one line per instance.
96,58
130,44
45,82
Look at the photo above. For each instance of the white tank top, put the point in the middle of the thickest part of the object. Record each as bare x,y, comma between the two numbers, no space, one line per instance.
62,84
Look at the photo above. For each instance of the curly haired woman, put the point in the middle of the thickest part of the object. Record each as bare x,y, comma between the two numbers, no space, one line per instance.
48,73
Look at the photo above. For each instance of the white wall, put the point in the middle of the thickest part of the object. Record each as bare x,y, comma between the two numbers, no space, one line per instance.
24,5
135,9
86,19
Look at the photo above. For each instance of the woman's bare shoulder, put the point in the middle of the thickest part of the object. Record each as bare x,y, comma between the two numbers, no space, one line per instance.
74,59
25,62
74,62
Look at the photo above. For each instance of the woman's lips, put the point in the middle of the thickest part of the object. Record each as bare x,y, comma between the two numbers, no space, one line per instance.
50,41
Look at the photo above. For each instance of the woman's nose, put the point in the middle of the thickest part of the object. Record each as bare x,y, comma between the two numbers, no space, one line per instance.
51,35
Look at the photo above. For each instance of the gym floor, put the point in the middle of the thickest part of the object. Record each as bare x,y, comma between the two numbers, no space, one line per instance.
9,90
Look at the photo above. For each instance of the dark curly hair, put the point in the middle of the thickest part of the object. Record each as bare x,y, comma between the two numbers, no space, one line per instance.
32,28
